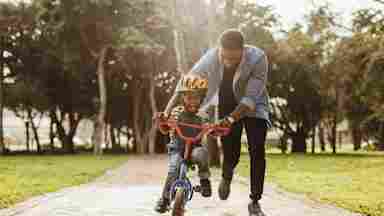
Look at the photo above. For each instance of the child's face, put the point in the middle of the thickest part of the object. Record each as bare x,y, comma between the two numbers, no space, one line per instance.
192,102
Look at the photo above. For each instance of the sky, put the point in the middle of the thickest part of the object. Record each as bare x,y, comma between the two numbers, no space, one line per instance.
292,11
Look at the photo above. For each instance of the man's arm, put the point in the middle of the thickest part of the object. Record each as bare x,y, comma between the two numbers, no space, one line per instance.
255,87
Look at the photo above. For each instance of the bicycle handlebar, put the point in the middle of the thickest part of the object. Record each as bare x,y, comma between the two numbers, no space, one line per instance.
209,129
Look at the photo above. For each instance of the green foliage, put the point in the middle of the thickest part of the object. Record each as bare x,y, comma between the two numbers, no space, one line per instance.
25,176
351,181
53,47
294,84
256,22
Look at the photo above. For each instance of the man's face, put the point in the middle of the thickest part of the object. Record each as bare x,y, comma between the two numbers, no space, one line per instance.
231,58
192,102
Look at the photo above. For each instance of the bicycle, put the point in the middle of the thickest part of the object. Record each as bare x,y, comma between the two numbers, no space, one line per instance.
182,190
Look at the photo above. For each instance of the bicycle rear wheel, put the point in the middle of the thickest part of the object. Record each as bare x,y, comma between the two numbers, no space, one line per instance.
178,205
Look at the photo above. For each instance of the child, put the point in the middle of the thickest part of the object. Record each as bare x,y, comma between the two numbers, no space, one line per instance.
192,90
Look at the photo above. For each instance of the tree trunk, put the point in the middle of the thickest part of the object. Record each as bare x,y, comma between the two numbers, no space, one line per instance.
115,145
321,137
34,130
299,144
334,135
112,136
2,144
152,98
357,135
27,139
68,145
119,136
65,139
380,144
51,136
179,42
98,132
139,141
313,140
106,136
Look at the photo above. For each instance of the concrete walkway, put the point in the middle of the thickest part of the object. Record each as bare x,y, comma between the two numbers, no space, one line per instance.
133,189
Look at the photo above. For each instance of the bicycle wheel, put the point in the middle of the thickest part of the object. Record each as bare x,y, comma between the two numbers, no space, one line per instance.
178,205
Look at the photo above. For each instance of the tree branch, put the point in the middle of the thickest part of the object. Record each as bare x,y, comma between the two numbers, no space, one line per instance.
379,1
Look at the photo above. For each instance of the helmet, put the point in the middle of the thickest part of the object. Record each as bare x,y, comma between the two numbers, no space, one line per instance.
193,83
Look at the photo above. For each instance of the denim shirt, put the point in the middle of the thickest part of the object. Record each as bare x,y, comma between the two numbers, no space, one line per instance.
249,82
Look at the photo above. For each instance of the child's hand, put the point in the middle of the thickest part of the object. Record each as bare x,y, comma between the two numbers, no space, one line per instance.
164,129
162,116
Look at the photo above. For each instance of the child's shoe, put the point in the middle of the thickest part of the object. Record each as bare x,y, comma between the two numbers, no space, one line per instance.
206,189
162,205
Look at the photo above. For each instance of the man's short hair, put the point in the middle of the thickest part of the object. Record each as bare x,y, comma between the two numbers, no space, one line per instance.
232,39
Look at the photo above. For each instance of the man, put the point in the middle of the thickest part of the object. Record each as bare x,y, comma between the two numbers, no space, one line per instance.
238,74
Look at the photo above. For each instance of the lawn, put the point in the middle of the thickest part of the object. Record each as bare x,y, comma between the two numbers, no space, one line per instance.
22,177
351,181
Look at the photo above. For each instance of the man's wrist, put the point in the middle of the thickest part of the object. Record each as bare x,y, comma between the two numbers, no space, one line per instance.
230,119
239,112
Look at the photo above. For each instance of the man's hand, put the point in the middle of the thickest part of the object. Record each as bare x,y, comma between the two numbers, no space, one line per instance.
239,112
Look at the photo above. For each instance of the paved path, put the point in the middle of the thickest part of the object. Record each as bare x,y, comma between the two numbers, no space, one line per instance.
133,188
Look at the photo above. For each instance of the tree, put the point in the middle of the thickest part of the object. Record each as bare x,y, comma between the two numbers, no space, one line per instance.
294,76
356,57
5,20
321,24
2,145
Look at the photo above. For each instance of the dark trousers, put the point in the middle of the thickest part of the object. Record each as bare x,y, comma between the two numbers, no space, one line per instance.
256,130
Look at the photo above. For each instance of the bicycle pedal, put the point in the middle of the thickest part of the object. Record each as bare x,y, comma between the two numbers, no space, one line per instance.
197,188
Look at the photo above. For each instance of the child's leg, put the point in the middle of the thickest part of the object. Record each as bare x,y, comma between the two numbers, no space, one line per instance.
200,157
174,159
173,163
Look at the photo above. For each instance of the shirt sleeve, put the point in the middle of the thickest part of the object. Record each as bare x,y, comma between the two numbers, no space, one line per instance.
256,83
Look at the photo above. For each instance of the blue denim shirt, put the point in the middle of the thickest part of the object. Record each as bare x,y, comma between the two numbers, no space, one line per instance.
249,82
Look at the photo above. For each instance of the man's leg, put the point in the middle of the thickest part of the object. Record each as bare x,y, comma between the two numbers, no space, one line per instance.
231,145
256,134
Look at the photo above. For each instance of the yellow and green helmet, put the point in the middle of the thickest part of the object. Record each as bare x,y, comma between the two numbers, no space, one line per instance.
193,83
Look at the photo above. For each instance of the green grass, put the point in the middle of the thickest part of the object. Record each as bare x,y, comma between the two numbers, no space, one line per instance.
22,177
351,181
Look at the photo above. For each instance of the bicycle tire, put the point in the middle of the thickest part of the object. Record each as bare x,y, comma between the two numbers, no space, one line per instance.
178,205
